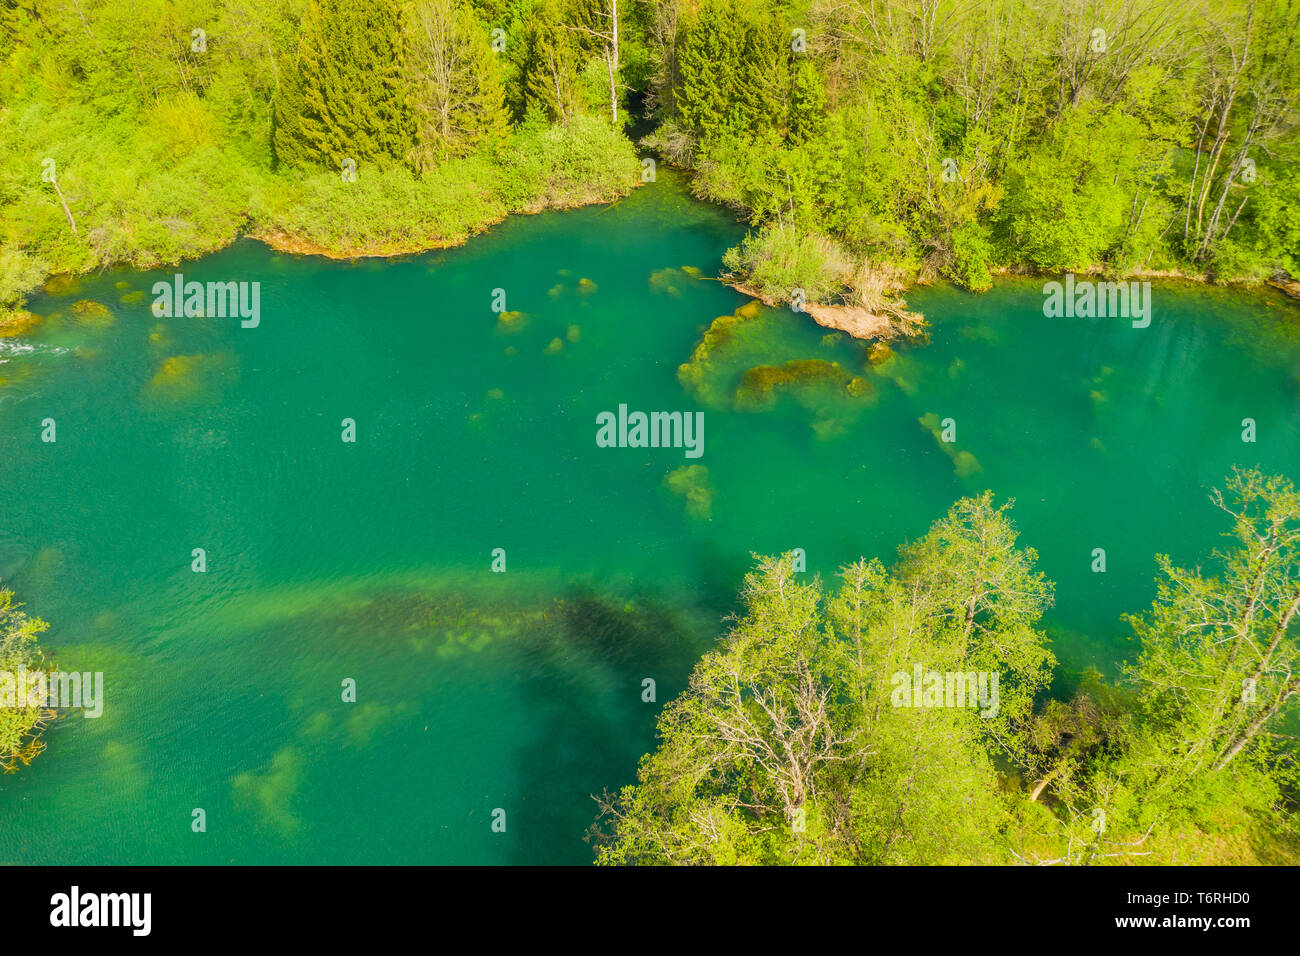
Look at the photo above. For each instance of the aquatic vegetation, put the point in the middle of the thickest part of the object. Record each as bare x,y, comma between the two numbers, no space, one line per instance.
512,321
92,313
175,370
557,290
122,773
61,285
186,378
811,381
496,394
271,793
692,483
697,374
554,346
901,370
964,463
40,572
131,298
21,722
17,322
573,333
365,719
668,281
586,287
880,353
691,271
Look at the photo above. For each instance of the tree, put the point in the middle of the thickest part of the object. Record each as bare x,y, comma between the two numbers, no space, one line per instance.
550,67
1220,655
453,81
792,743
20,722
343,96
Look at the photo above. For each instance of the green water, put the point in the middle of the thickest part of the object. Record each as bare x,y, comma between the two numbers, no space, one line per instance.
371,560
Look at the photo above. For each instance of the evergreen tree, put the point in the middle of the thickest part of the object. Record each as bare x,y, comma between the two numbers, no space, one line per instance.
550,66
807,100
709,60
344,100
762,104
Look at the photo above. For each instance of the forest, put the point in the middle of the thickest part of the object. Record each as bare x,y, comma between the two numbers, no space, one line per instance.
791,744
869,143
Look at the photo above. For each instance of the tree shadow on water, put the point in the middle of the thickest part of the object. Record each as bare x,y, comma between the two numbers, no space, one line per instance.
589,690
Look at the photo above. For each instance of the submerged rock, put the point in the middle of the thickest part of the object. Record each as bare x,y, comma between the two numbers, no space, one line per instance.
90,312
667,281
17,323
758,386
879,353
511,321
63,285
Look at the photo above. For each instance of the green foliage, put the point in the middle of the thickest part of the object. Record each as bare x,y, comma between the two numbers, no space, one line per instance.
20,722
776,261
799,738
453,80
166,147
344,94
1002,139
790,744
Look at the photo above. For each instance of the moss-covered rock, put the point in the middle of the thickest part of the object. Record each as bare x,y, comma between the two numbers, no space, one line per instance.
92,313
759,385
17,322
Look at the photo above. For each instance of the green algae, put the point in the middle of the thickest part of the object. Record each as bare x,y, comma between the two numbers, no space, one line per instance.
271,793
810,381
692,483
964,463
94,314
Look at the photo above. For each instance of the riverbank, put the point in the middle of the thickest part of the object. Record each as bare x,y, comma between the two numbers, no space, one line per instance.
381,212
858,321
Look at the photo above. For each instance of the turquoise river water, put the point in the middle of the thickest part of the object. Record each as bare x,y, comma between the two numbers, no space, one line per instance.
372,560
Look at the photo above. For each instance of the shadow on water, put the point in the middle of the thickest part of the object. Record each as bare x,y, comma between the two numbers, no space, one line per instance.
594,739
